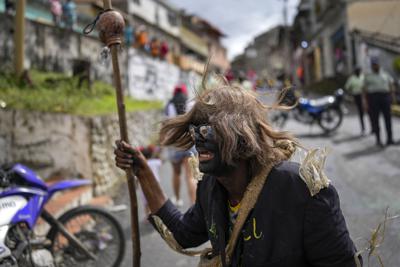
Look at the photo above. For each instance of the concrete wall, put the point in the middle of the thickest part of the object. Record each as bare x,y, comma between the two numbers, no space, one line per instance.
53,49
71,146
375,16
156,14
146,10
164,22
150,78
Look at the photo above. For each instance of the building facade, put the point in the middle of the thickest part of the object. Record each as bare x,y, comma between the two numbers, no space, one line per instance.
331,38
191,39
265,55
201,40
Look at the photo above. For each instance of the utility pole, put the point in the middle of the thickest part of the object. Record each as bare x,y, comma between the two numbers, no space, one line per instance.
286,39
19,37
285,12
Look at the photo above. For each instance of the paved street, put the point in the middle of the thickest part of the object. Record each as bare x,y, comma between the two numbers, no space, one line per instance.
367,179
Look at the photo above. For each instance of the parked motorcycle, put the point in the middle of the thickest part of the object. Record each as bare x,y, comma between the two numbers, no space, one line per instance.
326,111
83,236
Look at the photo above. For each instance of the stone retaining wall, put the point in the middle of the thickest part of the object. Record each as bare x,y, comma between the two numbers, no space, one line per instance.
71,146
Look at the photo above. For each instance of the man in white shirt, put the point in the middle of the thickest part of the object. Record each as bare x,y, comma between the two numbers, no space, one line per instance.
379,88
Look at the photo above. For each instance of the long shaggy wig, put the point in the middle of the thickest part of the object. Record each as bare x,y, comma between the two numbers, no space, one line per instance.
240,122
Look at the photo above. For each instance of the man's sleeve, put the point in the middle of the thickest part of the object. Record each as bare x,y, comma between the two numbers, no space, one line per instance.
188,229
326,238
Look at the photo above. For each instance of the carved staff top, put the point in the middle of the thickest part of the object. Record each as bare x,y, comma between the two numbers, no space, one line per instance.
111,26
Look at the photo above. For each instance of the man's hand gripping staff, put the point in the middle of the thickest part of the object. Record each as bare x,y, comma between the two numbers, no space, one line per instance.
126,158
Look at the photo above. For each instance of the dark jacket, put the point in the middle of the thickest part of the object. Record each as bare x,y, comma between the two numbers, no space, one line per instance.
286,228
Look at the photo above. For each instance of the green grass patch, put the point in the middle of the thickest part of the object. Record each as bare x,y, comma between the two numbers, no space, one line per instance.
54,92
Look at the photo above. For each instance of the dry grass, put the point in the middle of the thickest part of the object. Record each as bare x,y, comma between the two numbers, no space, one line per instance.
375,241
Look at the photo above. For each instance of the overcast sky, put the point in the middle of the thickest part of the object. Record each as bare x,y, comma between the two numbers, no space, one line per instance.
240,20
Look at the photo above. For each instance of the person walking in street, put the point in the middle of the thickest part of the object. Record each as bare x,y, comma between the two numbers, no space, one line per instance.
255,206
354,86
179,158
379,89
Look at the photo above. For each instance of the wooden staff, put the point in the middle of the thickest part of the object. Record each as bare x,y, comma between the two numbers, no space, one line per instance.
111,25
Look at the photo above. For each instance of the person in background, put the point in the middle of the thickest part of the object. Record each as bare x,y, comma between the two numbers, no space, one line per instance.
9,7
229,75
155,47
151,153
244,82
142,38
379,89
164,49
179,105
69,14
354,86
129,35
56,11
300,74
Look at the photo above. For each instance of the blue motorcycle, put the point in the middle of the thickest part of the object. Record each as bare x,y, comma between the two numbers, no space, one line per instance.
326,111
83,236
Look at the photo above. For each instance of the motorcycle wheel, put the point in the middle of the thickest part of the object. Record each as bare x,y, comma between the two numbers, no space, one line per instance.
330,119
97,230
303,116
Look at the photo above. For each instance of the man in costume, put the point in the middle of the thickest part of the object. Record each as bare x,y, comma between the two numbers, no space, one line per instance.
253,205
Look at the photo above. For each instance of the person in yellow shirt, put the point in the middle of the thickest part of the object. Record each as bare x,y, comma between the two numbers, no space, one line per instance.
354,86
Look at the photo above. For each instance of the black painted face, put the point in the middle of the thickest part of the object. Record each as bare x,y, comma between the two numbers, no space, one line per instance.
210,160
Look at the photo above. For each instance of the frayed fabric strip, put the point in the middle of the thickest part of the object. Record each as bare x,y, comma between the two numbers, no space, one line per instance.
169,238
312,170
194,165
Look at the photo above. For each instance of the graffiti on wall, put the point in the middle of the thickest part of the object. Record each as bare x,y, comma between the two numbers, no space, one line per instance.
150,78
